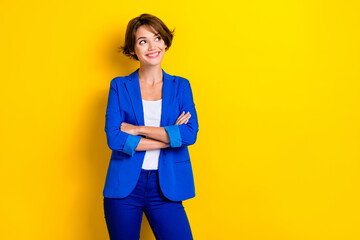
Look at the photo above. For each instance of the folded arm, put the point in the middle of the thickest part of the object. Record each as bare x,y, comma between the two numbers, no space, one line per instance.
172,135
116,139
184,134
159,133
150,144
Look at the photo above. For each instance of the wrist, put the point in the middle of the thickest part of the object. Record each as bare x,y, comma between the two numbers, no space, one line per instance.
141,130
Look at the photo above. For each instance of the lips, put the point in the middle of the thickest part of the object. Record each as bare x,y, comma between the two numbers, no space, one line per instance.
152,55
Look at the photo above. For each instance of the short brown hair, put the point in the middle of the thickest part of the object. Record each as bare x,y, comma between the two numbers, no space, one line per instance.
147,20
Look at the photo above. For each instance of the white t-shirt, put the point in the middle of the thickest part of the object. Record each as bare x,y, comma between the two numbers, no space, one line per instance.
152,116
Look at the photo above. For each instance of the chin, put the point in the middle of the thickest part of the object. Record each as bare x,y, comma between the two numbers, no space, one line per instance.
154,63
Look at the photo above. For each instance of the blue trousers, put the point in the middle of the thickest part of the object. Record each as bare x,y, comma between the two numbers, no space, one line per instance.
167,218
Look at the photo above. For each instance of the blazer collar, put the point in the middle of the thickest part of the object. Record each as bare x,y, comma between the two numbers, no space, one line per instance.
168,96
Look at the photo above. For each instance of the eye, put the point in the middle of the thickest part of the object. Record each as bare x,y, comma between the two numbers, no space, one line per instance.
141,41
158,37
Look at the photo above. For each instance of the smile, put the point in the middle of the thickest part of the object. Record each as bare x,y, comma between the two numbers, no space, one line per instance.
153,55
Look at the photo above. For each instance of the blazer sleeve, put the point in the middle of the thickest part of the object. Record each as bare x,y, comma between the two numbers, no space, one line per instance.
116,139
184,134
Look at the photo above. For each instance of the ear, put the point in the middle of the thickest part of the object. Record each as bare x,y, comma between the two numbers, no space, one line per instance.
132,53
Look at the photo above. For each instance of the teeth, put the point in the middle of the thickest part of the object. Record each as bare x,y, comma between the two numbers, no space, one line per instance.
154,54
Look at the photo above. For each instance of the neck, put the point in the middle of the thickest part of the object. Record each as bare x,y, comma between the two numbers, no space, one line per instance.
150,74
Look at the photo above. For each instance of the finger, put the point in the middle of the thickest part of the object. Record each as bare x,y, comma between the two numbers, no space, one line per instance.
180,119
181,115
181,122
188,116
185,121
184,116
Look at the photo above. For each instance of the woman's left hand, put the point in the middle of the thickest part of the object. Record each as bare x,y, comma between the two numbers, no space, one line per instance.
129,128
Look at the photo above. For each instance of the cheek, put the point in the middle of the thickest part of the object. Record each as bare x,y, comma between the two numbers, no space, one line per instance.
139,49
163,45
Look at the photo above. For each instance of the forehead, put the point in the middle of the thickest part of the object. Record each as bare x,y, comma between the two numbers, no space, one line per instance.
144,30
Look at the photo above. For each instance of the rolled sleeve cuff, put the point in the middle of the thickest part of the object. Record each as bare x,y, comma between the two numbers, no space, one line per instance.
174,135
130,144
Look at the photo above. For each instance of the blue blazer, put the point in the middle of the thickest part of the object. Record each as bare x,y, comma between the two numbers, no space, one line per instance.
174,168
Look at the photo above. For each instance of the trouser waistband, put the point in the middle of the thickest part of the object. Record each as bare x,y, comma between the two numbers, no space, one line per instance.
150,171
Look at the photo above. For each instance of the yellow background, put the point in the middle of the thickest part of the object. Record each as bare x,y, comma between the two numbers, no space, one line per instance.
276,87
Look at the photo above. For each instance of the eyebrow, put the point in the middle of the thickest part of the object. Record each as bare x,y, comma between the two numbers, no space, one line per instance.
145,37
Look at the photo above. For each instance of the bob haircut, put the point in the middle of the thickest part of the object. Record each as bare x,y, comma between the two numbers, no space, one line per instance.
150,21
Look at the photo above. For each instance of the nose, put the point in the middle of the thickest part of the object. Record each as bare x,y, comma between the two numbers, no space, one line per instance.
151,45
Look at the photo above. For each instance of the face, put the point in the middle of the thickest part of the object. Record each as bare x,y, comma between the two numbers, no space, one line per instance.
149,46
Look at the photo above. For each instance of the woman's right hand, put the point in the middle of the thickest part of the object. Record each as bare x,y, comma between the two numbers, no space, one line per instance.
183,118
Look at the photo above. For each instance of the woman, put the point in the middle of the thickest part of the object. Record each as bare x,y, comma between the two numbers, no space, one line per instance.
150,121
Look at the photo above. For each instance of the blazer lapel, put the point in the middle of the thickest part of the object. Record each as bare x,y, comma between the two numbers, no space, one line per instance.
168,96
